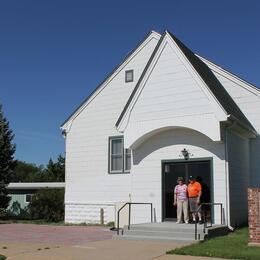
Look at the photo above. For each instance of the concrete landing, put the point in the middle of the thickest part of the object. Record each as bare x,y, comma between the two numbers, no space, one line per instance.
170,231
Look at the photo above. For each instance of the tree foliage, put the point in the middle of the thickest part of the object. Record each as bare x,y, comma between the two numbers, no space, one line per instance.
55,171
48,205
7,162
27,172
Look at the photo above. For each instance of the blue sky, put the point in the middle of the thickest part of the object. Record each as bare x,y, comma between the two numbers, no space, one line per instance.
54,53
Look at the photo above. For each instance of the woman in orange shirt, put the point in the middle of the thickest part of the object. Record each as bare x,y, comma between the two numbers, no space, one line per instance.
194,194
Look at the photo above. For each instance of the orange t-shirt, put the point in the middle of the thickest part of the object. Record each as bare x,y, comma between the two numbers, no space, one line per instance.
194,189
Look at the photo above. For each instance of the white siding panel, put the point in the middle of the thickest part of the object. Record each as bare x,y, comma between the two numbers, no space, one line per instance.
87,177
255,162
239,168
249,103
170,91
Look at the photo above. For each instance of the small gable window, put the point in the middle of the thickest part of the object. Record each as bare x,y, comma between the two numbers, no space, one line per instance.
129,76
119,158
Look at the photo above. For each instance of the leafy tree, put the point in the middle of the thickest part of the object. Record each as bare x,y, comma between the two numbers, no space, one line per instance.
7,162
27,172
55,171
48,205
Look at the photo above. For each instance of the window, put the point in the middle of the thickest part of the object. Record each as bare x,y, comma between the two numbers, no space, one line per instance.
119,158
28,198
116,155
129,76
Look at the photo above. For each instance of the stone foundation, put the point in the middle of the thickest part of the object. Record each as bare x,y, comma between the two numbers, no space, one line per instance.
89,213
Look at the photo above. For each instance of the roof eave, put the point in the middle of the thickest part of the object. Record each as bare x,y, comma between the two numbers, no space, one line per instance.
248,128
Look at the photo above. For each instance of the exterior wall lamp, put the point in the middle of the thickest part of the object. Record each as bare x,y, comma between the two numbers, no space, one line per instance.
185,153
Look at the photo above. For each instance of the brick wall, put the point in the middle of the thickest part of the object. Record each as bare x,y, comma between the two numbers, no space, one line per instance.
254,216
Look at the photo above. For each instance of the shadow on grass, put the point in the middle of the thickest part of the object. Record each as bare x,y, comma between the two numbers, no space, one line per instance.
232,246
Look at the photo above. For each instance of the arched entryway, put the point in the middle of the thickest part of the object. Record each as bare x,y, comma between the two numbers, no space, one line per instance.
151,182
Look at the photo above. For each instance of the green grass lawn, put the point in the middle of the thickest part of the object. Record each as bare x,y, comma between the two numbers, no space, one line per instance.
232,246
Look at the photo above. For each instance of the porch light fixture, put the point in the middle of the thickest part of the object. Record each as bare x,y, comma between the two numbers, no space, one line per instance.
185,154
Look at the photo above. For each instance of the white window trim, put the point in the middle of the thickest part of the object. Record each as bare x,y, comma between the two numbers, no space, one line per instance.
110,153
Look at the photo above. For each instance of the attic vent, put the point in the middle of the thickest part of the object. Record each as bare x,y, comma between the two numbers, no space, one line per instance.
129,75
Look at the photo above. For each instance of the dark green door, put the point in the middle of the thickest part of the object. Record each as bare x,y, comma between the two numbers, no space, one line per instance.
171,171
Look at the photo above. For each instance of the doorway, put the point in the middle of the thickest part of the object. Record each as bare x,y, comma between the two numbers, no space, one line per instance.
171,170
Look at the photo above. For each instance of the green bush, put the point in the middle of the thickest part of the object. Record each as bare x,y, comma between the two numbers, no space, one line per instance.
2,257
48,205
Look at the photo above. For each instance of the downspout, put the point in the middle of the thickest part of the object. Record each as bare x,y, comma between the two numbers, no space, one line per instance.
227,175
64,135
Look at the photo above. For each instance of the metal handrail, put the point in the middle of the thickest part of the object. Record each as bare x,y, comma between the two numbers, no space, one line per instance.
204,216
129,212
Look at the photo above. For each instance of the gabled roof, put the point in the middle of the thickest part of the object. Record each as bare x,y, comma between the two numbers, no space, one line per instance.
99,87
215,87
230,75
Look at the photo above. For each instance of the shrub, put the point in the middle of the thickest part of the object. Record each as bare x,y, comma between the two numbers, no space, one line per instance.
48,205
16,211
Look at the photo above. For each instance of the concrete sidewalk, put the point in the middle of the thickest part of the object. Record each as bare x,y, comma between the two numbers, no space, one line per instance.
50,242
112,249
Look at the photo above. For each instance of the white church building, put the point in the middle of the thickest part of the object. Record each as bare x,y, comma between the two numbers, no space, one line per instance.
163,112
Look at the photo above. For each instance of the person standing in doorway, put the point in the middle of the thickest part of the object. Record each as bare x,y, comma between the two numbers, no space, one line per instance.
194,194
181,200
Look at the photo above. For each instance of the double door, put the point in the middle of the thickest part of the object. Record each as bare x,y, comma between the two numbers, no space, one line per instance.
201,170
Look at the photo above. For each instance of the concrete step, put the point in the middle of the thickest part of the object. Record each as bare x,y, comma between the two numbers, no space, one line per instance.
157,238
185,228
162,233
170,231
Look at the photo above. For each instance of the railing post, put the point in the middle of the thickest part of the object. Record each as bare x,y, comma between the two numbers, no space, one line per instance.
211,218
118,222
195,230
221,218
151,212
205,219
129,216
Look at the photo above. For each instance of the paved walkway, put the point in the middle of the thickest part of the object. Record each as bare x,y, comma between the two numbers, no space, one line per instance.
51,234
39,242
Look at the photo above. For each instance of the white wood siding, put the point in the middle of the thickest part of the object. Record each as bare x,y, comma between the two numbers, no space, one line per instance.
171,96
170,91
239,165
249,103
87,178
255,162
